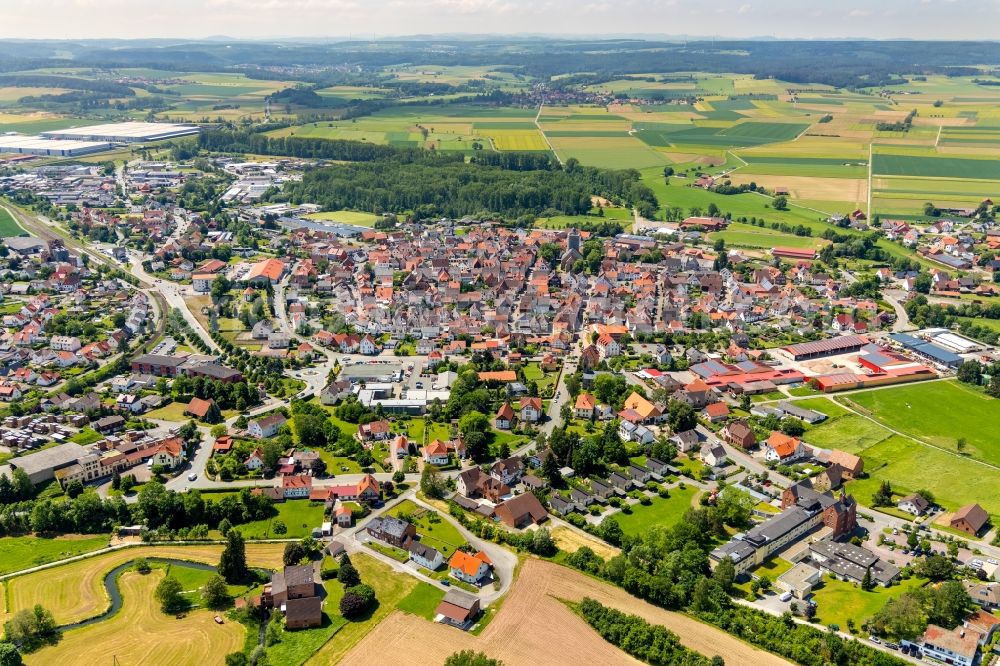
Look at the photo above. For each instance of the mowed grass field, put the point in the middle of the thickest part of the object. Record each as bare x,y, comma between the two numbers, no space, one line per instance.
357,218
17,553
8,226
939,413
142,634
747,235
75,591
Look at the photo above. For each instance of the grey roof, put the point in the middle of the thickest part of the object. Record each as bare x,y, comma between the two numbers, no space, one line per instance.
390,525
301,574
51,458
775,528
737,551
460,599
423,551
159,359
850,561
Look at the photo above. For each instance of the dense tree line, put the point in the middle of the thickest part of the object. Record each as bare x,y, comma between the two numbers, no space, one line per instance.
244,141
651,643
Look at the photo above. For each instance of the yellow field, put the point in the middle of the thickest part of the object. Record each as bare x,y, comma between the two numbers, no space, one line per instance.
806,187
572,541
75,591
142,634
530,139
14,93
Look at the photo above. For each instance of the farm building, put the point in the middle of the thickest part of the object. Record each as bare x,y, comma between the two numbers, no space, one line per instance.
928,350
845,344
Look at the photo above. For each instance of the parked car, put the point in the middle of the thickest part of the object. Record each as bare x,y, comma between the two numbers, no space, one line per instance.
192,476
875,639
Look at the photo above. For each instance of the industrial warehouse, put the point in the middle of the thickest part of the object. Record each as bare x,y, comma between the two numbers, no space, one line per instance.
129,132
35,145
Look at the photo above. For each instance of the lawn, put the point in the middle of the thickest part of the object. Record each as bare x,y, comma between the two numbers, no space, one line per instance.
533,373
154,637
24,552
422,601
823,406
838,601
87,435
299,515
849,433
172,412
661,513
296,646
417,428
939,413
8,226
390,590
434,530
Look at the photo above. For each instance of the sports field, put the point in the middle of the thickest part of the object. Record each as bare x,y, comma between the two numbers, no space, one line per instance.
152,636
357,218
939,413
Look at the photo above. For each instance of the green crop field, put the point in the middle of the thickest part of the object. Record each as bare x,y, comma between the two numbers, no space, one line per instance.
939,413
611,153
742,134
935,167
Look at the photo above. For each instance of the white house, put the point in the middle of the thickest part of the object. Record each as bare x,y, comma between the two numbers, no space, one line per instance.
129,401
425,556
169,453
781,448
255,460
469,568
436,453
635,432
267,426
531,410
367,346
202,282
68,343
914,504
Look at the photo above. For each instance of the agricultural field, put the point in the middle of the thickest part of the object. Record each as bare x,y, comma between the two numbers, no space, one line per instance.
939,413
75,591
536,599
194,638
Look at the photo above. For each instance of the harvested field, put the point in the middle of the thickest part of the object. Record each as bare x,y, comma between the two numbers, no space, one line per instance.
75,591
806,187
572,541
152,636
534,602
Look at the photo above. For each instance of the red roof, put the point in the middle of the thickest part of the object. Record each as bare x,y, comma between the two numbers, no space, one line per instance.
198,407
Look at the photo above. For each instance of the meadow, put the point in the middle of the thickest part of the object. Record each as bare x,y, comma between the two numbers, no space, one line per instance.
838,601
8,225
939,413
24,552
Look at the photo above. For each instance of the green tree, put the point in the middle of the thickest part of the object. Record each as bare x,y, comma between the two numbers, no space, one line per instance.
215,594
866,582
9,656
168,593
233,563
294,553
431,483
31,628
471,658
348,575
237,659
780,202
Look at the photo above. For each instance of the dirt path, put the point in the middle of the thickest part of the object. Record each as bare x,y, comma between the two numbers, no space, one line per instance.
535,627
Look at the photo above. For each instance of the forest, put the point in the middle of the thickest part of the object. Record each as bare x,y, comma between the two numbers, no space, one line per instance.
435,186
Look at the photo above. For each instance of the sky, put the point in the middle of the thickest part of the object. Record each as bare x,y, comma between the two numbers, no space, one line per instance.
263,19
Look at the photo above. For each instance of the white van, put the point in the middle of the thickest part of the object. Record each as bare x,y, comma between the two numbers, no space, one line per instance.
787,596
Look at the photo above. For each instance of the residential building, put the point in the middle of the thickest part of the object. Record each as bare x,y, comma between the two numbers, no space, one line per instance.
266,426
392,531
425,556
470,568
